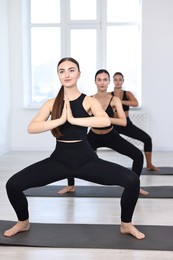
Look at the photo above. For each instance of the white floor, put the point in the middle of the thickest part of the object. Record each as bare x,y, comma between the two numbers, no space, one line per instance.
85,210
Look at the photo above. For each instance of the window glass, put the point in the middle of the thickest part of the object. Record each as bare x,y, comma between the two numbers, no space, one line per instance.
107,37
83,10
45,54
83,49
123,55
45,11
123,10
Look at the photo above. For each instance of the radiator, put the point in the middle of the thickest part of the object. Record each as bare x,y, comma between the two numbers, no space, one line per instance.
139,119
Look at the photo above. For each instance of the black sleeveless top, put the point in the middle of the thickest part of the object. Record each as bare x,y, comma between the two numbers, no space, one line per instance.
125,108
110,113
74,132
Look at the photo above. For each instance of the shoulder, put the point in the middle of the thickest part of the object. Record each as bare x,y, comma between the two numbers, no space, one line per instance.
90,102
128,94
116,100
89,98
48,104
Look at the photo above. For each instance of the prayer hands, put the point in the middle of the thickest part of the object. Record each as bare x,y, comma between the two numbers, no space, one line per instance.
67,113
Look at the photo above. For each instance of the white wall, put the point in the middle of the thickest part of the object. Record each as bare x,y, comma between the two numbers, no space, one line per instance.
157,70
4,80
20,139
157,56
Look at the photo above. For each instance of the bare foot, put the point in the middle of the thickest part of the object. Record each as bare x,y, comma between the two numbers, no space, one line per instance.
128,228
67,189
151,167
20,226
143,192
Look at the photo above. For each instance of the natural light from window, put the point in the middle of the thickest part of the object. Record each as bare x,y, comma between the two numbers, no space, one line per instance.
99,34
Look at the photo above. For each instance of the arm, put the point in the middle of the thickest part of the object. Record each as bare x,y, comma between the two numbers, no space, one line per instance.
40,122
121,117
93,107
132,101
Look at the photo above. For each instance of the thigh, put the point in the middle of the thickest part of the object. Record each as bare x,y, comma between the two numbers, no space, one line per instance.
39,174
122,146
135,132
106,173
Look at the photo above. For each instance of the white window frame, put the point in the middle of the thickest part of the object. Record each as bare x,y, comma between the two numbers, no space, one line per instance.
100,24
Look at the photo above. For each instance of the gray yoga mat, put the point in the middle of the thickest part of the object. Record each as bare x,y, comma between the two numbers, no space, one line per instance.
98,191
163,171
88,236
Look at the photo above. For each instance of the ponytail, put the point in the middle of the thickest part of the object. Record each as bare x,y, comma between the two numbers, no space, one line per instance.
57,111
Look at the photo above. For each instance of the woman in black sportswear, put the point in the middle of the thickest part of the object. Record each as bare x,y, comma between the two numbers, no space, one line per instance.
128,100
72,112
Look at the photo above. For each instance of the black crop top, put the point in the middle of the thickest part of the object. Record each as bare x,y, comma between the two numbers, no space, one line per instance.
75,132
125,108
110,113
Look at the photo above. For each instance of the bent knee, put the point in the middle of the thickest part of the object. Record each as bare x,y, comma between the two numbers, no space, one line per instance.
140,155
11,185
134,181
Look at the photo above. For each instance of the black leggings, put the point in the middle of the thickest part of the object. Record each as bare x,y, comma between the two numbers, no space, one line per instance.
77,160
114,141
135,132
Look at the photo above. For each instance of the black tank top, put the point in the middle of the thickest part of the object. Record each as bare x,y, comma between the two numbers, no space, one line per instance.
125,108
110,113
74,132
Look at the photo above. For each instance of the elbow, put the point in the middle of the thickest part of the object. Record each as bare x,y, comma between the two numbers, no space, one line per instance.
125,122
136,104
107,122
30,130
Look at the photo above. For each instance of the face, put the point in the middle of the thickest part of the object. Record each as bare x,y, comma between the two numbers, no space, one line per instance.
68,74
118,81
102,81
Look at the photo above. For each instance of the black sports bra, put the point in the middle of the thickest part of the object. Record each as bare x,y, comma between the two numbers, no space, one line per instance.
110,113
125,108
74,132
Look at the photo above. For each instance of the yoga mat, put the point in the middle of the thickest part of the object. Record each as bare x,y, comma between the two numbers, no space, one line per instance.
163,171
98,191
88,236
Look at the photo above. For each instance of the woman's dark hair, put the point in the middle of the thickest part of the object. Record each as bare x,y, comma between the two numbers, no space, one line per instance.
102,71
118,73
59,100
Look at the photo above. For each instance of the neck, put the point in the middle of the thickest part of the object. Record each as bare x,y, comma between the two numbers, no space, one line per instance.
101,94
117,88
72,93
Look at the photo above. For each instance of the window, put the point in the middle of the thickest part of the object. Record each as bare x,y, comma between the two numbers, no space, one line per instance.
98,33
